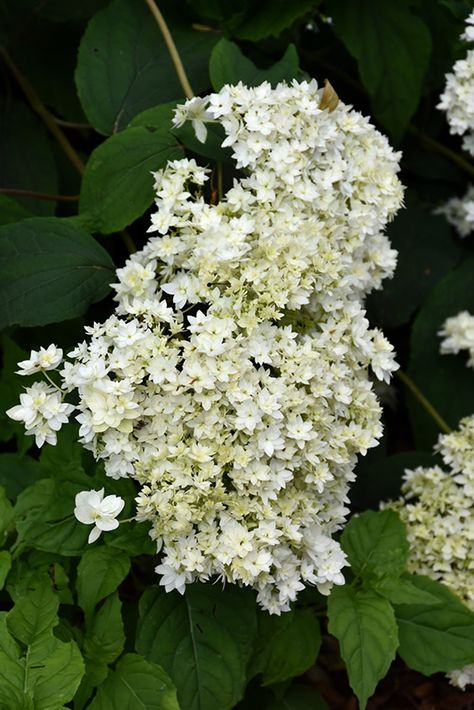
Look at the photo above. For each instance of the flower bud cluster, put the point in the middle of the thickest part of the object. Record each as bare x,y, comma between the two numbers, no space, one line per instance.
232,382
437,506
458,334
458,96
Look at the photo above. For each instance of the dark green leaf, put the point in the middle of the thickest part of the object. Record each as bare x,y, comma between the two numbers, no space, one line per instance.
376,544
426,252
124,65
11,210
17,472
392,47
105,639
401,590
439,376
49,271
229,66
50,671
6,514
136,684
99,573
287,645
299,697
365,627
271,17
117,186
5,566
202,639
439,637
27,161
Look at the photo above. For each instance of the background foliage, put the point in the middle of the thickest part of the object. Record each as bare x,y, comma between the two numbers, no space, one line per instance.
88,91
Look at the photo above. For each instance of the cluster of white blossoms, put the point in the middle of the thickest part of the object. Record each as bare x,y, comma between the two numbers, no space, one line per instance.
232,382
459,212
437,506
458,334
458,96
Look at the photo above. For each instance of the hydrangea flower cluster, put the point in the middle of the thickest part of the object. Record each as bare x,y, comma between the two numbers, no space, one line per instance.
458,334
458,96
437,506
232,382
459,212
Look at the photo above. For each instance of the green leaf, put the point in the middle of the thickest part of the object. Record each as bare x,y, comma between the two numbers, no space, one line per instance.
49,672
5,566
401,590
365,627
392,47
6,515
27,160
133,538
138,684
99,573
299,697
44,518
229,66
105,639
287,645
117,186
271,17
439,376
124,65
49,271
376,544
17,472
202,639
426,252
11,210
439,637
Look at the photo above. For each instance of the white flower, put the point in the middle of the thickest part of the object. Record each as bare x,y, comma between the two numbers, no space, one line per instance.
42,411
459,211
194,110
458,332
43,359
93,509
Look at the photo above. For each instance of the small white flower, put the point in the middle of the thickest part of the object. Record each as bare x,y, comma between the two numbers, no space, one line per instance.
41,360
93,509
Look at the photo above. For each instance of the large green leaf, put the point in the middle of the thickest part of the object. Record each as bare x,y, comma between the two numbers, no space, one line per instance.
27,160
271,17
444,379
49,271
426,252
105,639
136,684
46,674
229,66
117,186
17,472
287,645
11,210
437,637
44,518
202,639
376,544
124,66
392,47
365,627
99,573
5,566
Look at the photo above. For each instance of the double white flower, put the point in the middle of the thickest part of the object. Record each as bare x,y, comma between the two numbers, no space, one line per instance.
93,509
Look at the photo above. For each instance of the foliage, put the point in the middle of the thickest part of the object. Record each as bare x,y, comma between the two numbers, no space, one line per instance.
84,120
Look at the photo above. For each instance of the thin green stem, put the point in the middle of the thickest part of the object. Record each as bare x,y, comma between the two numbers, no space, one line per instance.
173,52
437,147
38,106
219,181
425,403
38,195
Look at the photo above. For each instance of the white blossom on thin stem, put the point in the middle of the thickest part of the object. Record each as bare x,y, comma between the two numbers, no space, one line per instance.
93,509
41,360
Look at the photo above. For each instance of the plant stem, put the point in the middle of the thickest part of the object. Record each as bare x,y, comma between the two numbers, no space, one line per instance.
38,195
174,54
426,404
437,147
48,120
